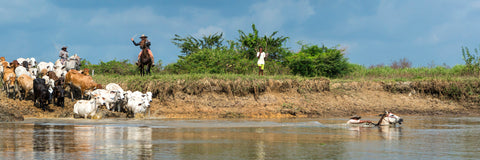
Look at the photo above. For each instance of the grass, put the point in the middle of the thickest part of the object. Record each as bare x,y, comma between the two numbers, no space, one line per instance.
107,78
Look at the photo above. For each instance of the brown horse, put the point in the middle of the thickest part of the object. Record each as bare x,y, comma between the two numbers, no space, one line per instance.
145,62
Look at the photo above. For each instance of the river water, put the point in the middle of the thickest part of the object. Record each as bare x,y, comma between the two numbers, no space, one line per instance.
323,138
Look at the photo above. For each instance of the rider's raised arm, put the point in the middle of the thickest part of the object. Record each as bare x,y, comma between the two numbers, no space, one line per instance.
136,44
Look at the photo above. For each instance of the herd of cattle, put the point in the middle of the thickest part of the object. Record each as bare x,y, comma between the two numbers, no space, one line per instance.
23,78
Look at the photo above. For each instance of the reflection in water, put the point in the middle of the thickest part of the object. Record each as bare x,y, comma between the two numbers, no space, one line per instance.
172,139
390,132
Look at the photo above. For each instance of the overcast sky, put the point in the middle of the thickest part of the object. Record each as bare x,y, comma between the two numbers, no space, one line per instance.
373,31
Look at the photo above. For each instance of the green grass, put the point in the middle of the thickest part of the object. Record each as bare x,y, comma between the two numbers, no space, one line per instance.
108,78
406,74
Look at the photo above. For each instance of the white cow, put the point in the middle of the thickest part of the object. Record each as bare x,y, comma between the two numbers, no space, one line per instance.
22,70
60,71
49,82
32,62
137,105
88,107
33,72
20,60
149,96
45,65
116,87
58,62
137,102
110,97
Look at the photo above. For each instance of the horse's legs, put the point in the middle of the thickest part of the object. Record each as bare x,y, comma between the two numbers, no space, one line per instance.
148,69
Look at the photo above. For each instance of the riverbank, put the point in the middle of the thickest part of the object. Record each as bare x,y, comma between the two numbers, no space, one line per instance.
274,97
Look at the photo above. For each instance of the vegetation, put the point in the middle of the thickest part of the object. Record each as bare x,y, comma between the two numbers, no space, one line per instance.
472,61
191,44
250,43
210,55
319,61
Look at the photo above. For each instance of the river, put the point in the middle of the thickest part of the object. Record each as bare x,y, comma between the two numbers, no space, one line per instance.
322,138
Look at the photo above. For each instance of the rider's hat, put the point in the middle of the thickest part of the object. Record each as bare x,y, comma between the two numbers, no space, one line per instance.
64,47
143,36
355,117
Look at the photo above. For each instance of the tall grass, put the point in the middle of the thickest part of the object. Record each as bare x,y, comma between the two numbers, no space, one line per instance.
388,73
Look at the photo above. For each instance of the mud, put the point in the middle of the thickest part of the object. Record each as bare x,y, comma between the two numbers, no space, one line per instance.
268,99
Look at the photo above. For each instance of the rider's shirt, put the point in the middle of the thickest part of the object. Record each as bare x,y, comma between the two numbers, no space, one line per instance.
353,121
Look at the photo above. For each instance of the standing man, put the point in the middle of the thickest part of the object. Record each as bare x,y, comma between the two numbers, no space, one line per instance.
144,45
63,54
261,61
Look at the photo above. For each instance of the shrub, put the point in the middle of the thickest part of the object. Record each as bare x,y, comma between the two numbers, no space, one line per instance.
112,67
472,61
319,61
212,61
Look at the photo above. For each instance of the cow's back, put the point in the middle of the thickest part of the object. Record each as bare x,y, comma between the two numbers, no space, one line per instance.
26,82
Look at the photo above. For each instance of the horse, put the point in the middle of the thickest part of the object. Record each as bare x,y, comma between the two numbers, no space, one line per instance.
145,61
72,63
389,118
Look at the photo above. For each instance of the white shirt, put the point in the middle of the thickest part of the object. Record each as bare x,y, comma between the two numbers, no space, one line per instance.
353,121
261,59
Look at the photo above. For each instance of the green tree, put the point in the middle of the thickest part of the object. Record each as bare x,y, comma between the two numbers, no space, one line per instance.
472,60
249,44
190,44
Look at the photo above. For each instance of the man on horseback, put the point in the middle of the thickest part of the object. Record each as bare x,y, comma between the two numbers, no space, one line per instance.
356,120
63,54
145,46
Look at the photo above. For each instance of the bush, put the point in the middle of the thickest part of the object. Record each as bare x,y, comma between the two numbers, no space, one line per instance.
319,61
472,61
212,61
112,67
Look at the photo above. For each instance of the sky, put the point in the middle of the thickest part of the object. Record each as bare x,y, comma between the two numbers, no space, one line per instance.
374,32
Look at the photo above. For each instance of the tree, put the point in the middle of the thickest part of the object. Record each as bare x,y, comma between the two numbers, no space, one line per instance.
190,44
472,61
249,44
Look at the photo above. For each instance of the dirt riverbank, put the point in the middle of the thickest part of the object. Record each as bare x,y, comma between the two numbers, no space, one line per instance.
213,98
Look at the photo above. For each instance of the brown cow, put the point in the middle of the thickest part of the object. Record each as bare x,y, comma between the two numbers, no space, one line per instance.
43,72
52,75
85,71
9,80
79,81
14,64
2,59
25,83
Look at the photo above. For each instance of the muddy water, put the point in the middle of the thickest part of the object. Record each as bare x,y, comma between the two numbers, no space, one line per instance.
417,138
